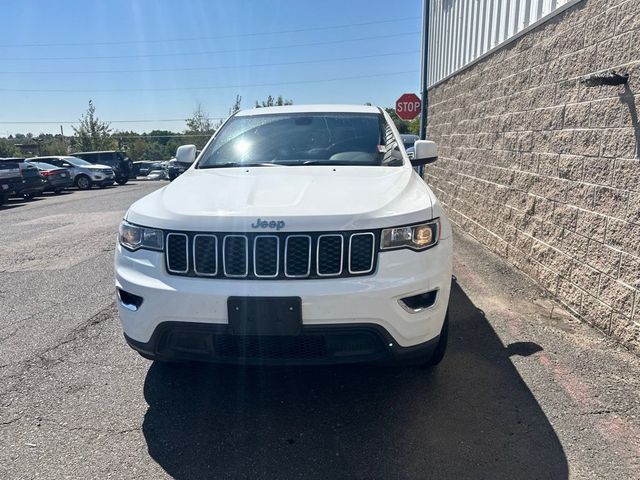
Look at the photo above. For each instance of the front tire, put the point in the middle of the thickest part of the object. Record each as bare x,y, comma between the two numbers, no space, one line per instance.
122,181
83,182
58,191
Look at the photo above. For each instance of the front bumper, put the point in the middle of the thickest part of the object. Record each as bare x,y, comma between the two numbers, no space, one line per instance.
369,303
315,345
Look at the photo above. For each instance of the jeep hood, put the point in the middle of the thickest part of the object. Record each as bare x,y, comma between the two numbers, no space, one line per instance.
306,198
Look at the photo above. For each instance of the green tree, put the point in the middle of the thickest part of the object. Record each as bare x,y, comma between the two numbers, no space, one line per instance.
404,127
92,133
7,148
199,127
236,105
273,102
199,122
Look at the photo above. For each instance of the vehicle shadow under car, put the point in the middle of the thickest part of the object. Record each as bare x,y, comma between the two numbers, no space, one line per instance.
471,417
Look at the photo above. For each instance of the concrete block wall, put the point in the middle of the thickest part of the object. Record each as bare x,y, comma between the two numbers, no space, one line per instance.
543,169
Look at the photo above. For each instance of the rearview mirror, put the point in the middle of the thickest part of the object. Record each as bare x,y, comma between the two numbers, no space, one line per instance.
186,154
426,152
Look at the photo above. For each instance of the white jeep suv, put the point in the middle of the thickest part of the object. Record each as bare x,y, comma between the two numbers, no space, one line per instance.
300,234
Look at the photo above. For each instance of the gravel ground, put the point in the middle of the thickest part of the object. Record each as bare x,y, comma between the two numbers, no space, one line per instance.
525,391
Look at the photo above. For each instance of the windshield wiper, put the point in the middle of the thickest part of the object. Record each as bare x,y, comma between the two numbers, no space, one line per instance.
239,164
332,163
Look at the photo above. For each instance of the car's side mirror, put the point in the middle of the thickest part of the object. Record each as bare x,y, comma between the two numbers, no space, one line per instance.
186,154
425,151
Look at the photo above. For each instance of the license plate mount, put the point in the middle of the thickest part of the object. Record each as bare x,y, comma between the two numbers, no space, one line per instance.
281,316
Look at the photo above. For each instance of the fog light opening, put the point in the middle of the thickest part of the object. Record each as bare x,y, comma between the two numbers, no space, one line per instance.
129,300
417,303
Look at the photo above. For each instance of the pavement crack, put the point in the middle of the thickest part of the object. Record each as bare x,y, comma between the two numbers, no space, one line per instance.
9,422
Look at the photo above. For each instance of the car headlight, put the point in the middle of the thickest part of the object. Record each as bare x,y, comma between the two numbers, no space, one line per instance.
134,237
415,237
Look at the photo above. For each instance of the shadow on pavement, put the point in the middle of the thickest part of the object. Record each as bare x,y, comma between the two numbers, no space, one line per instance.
472,417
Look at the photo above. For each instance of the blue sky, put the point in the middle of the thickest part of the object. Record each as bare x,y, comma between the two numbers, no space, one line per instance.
157,59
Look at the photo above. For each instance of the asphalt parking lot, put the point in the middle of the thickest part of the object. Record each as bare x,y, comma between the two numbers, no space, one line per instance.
525,391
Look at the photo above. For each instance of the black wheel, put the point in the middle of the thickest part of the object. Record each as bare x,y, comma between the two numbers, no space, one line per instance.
58,191
3,198
102,185
122,181
83,182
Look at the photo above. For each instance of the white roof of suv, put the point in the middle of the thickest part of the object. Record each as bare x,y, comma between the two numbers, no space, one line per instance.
309,109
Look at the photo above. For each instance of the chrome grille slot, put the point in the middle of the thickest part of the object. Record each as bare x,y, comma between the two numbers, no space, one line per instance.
329,255
266,256
177,253
235,256
205,255
361,252
297,256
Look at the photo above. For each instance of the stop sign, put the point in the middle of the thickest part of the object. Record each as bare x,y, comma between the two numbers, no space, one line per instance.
408,106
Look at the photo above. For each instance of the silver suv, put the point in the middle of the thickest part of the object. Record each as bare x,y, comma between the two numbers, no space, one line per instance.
83,173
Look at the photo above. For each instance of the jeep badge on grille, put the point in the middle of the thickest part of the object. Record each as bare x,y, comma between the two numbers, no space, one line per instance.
265,224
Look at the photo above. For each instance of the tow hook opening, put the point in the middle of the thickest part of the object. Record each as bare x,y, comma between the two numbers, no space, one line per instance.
417,303
129,300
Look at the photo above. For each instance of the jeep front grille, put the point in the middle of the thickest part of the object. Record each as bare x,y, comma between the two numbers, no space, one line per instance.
271,256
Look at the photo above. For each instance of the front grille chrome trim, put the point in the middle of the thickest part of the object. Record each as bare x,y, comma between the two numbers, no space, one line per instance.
195,254
186,247
373,252
286,256
337,274
247,258
246,253
255,266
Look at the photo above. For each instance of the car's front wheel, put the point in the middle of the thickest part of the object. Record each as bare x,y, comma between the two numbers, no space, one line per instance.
122,181
83,182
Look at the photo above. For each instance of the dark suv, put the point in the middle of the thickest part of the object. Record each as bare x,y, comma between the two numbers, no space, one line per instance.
122,166
32,183
10,179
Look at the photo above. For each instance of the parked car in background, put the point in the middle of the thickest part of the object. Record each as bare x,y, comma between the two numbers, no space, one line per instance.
10,179
142,169
32,183
118,161
84,174
409,141
56,178
175,169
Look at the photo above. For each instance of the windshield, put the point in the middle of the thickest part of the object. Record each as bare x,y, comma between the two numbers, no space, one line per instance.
303,139
78,162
